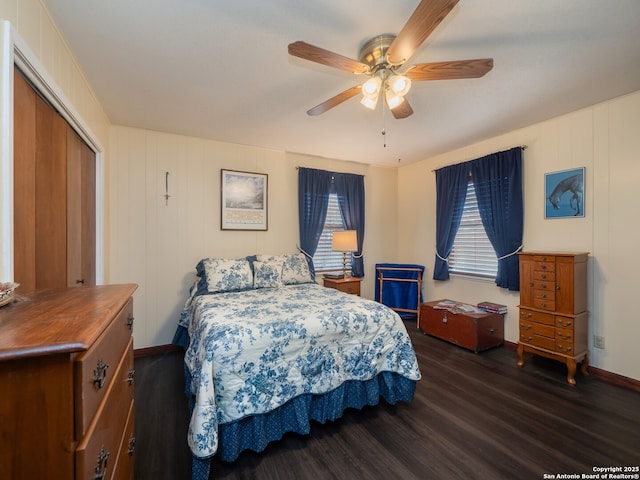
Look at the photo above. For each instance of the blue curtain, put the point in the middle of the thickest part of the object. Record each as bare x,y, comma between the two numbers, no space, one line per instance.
313,200
497,179
350,191
451,190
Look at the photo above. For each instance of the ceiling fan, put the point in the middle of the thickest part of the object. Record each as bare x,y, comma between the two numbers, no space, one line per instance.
382,57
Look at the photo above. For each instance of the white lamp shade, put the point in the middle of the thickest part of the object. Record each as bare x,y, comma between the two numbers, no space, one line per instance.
399,84
371,88
369,102
393,100
345,241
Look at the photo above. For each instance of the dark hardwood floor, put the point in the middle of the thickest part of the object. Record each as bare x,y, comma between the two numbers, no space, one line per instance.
473,417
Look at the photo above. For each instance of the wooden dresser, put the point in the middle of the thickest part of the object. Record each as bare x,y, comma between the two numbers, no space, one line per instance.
474,331
66,377
553,308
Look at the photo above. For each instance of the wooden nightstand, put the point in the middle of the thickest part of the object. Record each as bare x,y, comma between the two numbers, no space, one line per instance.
346,285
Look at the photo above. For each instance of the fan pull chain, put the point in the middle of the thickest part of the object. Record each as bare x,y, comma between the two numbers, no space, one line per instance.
384,125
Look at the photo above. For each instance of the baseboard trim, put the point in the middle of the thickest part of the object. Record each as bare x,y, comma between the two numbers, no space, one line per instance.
603,375
157,350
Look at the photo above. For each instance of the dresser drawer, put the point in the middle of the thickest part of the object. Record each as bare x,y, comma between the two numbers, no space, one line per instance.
352,288
124,462
544,304
538,317
95,368
544,276
544,295
538,340
545,265
565,322
563,335
98,450
532,328
566,348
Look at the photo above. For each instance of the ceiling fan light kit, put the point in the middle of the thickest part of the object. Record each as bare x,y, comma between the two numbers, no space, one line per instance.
370,102
393,99
371,88
399,84
382,56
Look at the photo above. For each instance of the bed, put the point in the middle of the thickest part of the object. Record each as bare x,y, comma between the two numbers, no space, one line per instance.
268,350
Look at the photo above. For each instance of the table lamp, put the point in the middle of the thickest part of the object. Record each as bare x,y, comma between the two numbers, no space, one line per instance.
344,241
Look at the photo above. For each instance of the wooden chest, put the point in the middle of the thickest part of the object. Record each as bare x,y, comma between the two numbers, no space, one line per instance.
474,331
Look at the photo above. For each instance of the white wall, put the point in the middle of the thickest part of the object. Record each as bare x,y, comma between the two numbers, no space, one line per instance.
605,139
32,21
158,246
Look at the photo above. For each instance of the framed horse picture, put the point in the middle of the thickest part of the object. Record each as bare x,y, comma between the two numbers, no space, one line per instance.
564,194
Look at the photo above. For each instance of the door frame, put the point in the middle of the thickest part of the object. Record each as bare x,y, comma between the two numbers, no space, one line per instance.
15,52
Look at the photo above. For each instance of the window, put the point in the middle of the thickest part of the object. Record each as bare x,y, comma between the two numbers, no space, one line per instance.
472,252
326,259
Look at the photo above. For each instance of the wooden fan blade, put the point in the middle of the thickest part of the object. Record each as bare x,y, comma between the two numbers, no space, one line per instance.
450,70
325,57
334,101
403,110
424,20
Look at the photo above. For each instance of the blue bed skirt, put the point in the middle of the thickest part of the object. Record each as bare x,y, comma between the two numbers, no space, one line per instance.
256,432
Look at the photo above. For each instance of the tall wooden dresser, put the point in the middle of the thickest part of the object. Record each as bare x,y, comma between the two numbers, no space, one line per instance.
66,377
553,308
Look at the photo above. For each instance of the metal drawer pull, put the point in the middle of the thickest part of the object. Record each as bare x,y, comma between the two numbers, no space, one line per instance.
130,320
101,468
130,375
132,446
100,374
445,319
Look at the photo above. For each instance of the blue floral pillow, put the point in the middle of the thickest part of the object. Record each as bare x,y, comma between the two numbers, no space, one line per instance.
267,274
219,275
295,270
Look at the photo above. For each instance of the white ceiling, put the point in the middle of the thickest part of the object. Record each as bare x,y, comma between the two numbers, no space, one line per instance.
220,69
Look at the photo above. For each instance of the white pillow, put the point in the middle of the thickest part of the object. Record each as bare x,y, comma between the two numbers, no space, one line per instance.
267,274
223,275
295,270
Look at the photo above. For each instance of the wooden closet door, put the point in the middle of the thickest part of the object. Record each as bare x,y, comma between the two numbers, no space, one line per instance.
54,197
51,197
81,206
24,183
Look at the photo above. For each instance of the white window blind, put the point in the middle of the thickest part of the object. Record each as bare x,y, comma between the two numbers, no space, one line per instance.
326,259
472,252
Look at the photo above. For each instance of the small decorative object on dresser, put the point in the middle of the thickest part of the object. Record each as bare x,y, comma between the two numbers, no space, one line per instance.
346,285
66,377
553,308
462,325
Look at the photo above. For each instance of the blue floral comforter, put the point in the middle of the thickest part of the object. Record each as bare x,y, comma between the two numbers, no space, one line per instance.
252,351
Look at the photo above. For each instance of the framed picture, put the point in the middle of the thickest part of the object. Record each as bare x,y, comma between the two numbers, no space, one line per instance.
244,200
564,193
